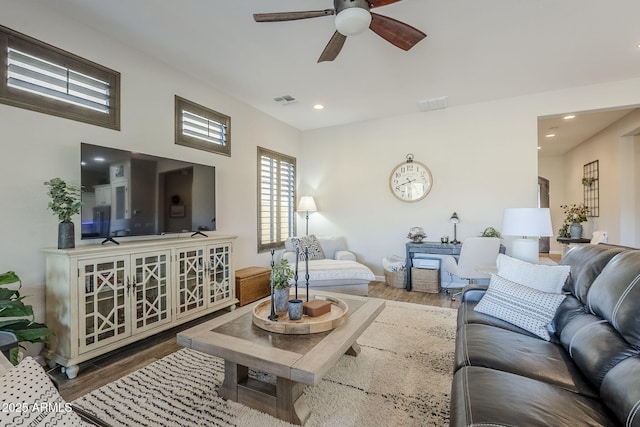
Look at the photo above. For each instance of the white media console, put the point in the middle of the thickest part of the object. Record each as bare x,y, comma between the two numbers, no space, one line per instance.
102,297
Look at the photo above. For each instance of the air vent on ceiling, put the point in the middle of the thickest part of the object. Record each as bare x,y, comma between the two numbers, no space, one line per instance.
285,100
433,103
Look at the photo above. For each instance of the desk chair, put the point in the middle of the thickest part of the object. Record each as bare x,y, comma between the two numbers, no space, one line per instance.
476,253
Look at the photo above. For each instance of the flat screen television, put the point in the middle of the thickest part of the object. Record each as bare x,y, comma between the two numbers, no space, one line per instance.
126,193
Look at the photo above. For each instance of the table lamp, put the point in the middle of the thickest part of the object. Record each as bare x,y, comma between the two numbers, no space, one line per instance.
454,220
307,204
526,222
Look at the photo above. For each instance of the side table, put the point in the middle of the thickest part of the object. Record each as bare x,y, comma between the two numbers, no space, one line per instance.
252,284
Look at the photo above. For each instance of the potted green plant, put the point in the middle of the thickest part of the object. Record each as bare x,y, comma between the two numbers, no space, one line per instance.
574,216
65,202
21,318
490,232
281,274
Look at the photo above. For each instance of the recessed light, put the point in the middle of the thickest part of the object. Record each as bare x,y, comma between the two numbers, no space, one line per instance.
318,107
539,148
550,135
569,117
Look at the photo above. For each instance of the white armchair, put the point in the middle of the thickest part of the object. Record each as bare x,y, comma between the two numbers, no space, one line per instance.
477,256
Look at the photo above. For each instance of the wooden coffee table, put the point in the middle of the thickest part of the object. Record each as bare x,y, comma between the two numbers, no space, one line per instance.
295,360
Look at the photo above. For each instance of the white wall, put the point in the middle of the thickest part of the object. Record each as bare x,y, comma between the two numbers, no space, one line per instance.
37,147
483,158
553,169
616,152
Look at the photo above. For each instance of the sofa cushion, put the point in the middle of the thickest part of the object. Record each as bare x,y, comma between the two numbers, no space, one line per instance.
620,391
307,242
521,305
487,397
504,350
30,398
586,262
467,315
545,278
595,346
615,295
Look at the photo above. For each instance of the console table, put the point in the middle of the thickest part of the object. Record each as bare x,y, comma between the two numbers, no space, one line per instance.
434,248
566,241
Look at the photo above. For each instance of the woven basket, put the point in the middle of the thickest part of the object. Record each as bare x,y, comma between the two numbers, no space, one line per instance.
394,279
425,280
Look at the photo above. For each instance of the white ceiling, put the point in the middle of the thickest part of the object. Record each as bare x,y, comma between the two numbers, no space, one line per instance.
476,50
570,132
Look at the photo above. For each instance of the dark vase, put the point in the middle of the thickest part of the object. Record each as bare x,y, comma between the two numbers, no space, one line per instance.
66,235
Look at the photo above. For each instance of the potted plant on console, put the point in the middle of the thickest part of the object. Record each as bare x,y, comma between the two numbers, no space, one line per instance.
281,273
65,202
575,215
20,320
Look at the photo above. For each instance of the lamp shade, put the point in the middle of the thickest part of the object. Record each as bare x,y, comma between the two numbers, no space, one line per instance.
352,21
307,204
527,222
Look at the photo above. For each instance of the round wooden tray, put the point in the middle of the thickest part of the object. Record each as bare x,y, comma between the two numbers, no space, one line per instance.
306,325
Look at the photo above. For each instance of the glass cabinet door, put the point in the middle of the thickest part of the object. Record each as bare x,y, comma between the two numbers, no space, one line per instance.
104,301
191,276
219,273
150,290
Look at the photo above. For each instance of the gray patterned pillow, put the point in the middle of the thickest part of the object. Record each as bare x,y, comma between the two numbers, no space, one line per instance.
311,242
525,307
29,398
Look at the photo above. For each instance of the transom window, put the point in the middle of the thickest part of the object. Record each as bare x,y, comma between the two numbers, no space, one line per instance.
46,79
276,199
202,128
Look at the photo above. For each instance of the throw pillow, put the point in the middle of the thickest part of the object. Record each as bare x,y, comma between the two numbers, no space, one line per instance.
545,278
525,307
29,398
310,242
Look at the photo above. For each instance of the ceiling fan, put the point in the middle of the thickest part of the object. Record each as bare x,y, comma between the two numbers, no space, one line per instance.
353,17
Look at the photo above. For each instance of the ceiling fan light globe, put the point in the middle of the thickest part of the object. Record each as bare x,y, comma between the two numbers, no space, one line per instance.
352,21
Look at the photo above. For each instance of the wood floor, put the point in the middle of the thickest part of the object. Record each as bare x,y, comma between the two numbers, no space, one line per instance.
108,368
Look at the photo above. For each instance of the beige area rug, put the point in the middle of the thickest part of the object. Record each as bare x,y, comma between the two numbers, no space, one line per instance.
402,377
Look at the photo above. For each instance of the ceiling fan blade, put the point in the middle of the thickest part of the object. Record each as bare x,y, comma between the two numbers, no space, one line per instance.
291,16
333,48
379,3
395,32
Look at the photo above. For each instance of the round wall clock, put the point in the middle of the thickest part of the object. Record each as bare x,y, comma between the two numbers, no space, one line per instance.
410,181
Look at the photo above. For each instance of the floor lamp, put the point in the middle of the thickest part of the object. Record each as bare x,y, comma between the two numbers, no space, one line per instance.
307,204
526,222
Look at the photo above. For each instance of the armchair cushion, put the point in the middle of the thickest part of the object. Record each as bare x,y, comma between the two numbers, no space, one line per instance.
528,308
345,256
307,242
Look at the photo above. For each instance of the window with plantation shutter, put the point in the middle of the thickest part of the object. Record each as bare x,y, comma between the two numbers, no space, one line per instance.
202,128
43,78
276,199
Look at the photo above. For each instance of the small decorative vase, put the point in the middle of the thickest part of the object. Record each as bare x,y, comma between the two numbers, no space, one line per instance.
295,309
281,297
576,230
66,235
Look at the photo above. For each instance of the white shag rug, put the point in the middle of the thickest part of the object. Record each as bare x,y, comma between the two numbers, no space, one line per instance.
402,377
